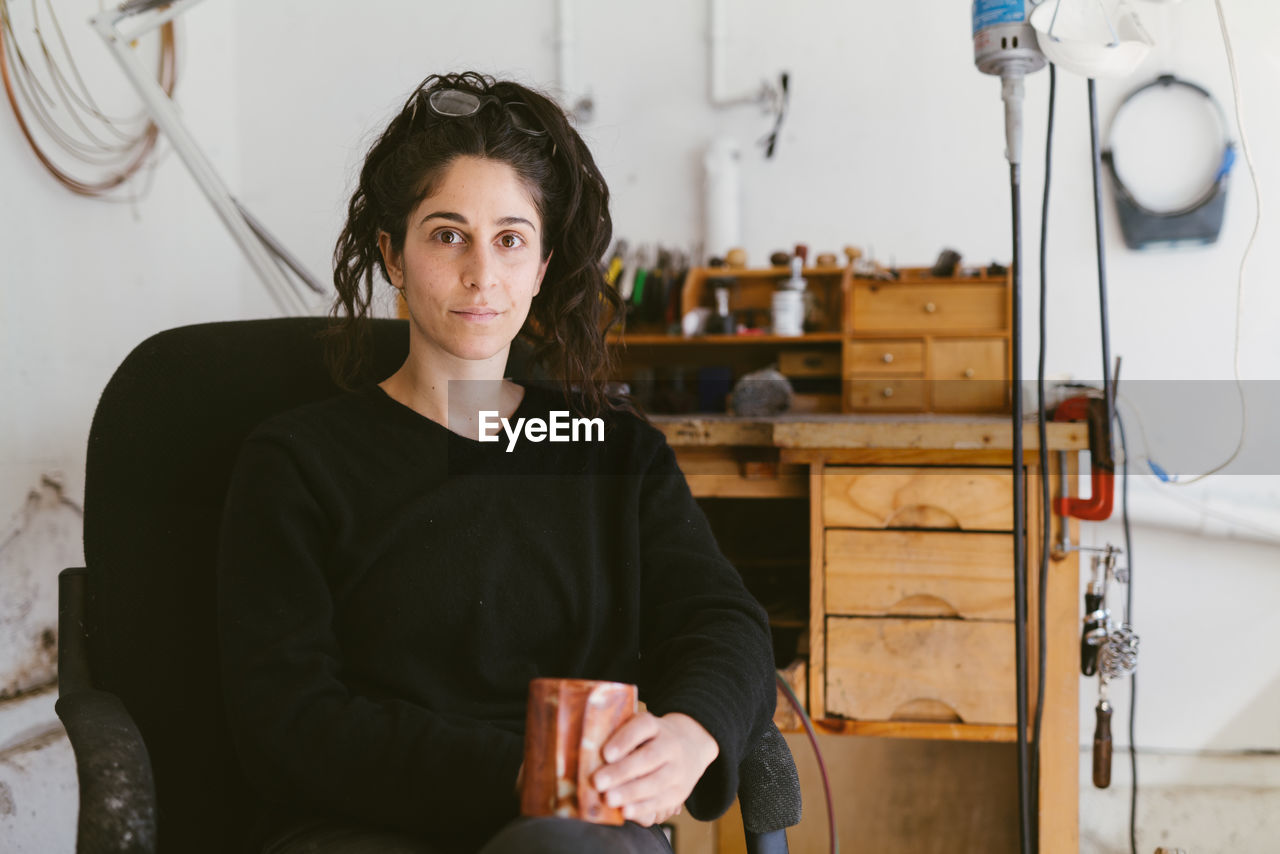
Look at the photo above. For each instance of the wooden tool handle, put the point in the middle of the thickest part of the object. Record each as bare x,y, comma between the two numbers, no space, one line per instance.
1102,746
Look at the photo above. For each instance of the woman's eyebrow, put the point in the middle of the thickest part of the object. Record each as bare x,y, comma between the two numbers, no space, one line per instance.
449,215
516,220
462,220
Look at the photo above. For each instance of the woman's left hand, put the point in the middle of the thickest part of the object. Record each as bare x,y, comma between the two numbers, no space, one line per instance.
653,763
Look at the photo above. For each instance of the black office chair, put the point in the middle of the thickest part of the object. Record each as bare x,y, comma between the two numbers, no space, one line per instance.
138,681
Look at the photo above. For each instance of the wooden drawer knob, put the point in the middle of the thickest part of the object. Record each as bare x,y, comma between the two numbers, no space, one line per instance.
888,391
968,373
887,358
930,308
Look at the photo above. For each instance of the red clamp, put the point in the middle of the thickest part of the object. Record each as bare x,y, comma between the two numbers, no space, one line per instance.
1097,507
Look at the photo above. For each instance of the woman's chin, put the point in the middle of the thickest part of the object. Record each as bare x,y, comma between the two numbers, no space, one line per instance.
481,349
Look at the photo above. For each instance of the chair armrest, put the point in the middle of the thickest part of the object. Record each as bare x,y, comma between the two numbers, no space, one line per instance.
117,791
73,631
769,790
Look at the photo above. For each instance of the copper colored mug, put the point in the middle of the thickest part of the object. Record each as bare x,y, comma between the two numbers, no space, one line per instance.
567,725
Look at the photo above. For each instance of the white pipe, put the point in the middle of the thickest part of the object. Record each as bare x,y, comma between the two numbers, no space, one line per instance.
717,42
159,17
573,98
564,50
723,199
165,115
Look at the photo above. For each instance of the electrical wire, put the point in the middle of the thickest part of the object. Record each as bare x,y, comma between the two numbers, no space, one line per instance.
832,836
1019,523
1244,259
35,96
1046,507
1099,244
23,87
1128,620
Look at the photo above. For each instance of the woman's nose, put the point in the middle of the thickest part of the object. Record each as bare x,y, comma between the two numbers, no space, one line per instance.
480,271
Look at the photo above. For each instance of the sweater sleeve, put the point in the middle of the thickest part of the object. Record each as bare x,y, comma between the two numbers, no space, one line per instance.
705,643
303,737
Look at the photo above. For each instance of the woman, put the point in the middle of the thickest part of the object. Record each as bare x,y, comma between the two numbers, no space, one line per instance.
390,578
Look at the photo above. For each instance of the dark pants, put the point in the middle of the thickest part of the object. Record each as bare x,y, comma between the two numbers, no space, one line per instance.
522,836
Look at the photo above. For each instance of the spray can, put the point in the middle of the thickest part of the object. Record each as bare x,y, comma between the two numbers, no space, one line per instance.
1003,41
1005,45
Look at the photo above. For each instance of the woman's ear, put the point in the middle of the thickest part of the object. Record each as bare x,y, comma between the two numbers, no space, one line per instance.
542,271
392,261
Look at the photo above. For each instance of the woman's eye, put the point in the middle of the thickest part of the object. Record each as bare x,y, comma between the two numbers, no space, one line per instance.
510,241
449,237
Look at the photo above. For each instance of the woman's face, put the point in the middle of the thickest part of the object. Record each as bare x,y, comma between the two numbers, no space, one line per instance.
472,261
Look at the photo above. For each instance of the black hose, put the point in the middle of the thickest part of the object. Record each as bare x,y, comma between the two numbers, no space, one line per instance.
1046,507
1102,262
1109,395
1019,521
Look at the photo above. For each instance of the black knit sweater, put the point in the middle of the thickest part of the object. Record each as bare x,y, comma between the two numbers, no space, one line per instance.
388,588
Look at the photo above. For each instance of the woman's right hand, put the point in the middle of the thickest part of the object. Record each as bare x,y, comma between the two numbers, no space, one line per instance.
653,764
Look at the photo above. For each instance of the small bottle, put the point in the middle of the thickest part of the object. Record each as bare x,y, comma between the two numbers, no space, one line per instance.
788,302
721,323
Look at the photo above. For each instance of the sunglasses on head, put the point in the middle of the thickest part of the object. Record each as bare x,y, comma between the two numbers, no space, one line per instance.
460,103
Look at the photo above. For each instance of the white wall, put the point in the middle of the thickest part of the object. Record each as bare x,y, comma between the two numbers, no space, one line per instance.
81,283
893,142
85,281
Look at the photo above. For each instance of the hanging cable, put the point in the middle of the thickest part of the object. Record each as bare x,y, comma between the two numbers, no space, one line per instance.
1128,619
24,90
1248,251
1046,505
1019,525
833,837
1096,151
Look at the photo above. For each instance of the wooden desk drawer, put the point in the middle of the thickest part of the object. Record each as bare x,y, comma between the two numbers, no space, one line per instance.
903,669
809,363
969,374
895,307
966,499
885,395
919,574
887,356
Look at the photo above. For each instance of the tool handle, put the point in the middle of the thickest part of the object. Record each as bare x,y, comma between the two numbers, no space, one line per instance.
1102,746
1088,642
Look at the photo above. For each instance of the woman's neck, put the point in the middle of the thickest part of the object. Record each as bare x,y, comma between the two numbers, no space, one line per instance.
454,397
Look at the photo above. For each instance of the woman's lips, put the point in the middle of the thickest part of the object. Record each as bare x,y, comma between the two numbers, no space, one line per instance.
477,315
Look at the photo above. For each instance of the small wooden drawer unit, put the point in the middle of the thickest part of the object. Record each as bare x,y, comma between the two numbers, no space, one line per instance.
918,600
963,499
809,363
942,307
919,574
969,374
888,356
888,394
949,336
922,670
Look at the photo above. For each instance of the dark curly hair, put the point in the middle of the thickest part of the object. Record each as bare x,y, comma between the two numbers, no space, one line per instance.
569,317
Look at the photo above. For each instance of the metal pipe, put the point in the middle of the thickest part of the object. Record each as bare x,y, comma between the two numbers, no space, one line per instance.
165,115
159,19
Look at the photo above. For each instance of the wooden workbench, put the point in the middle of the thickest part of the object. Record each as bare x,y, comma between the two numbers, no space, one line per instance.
899,505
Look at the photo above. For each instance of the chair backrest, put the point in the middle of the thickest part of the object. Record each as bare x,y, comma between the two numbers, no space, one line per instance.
164,437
